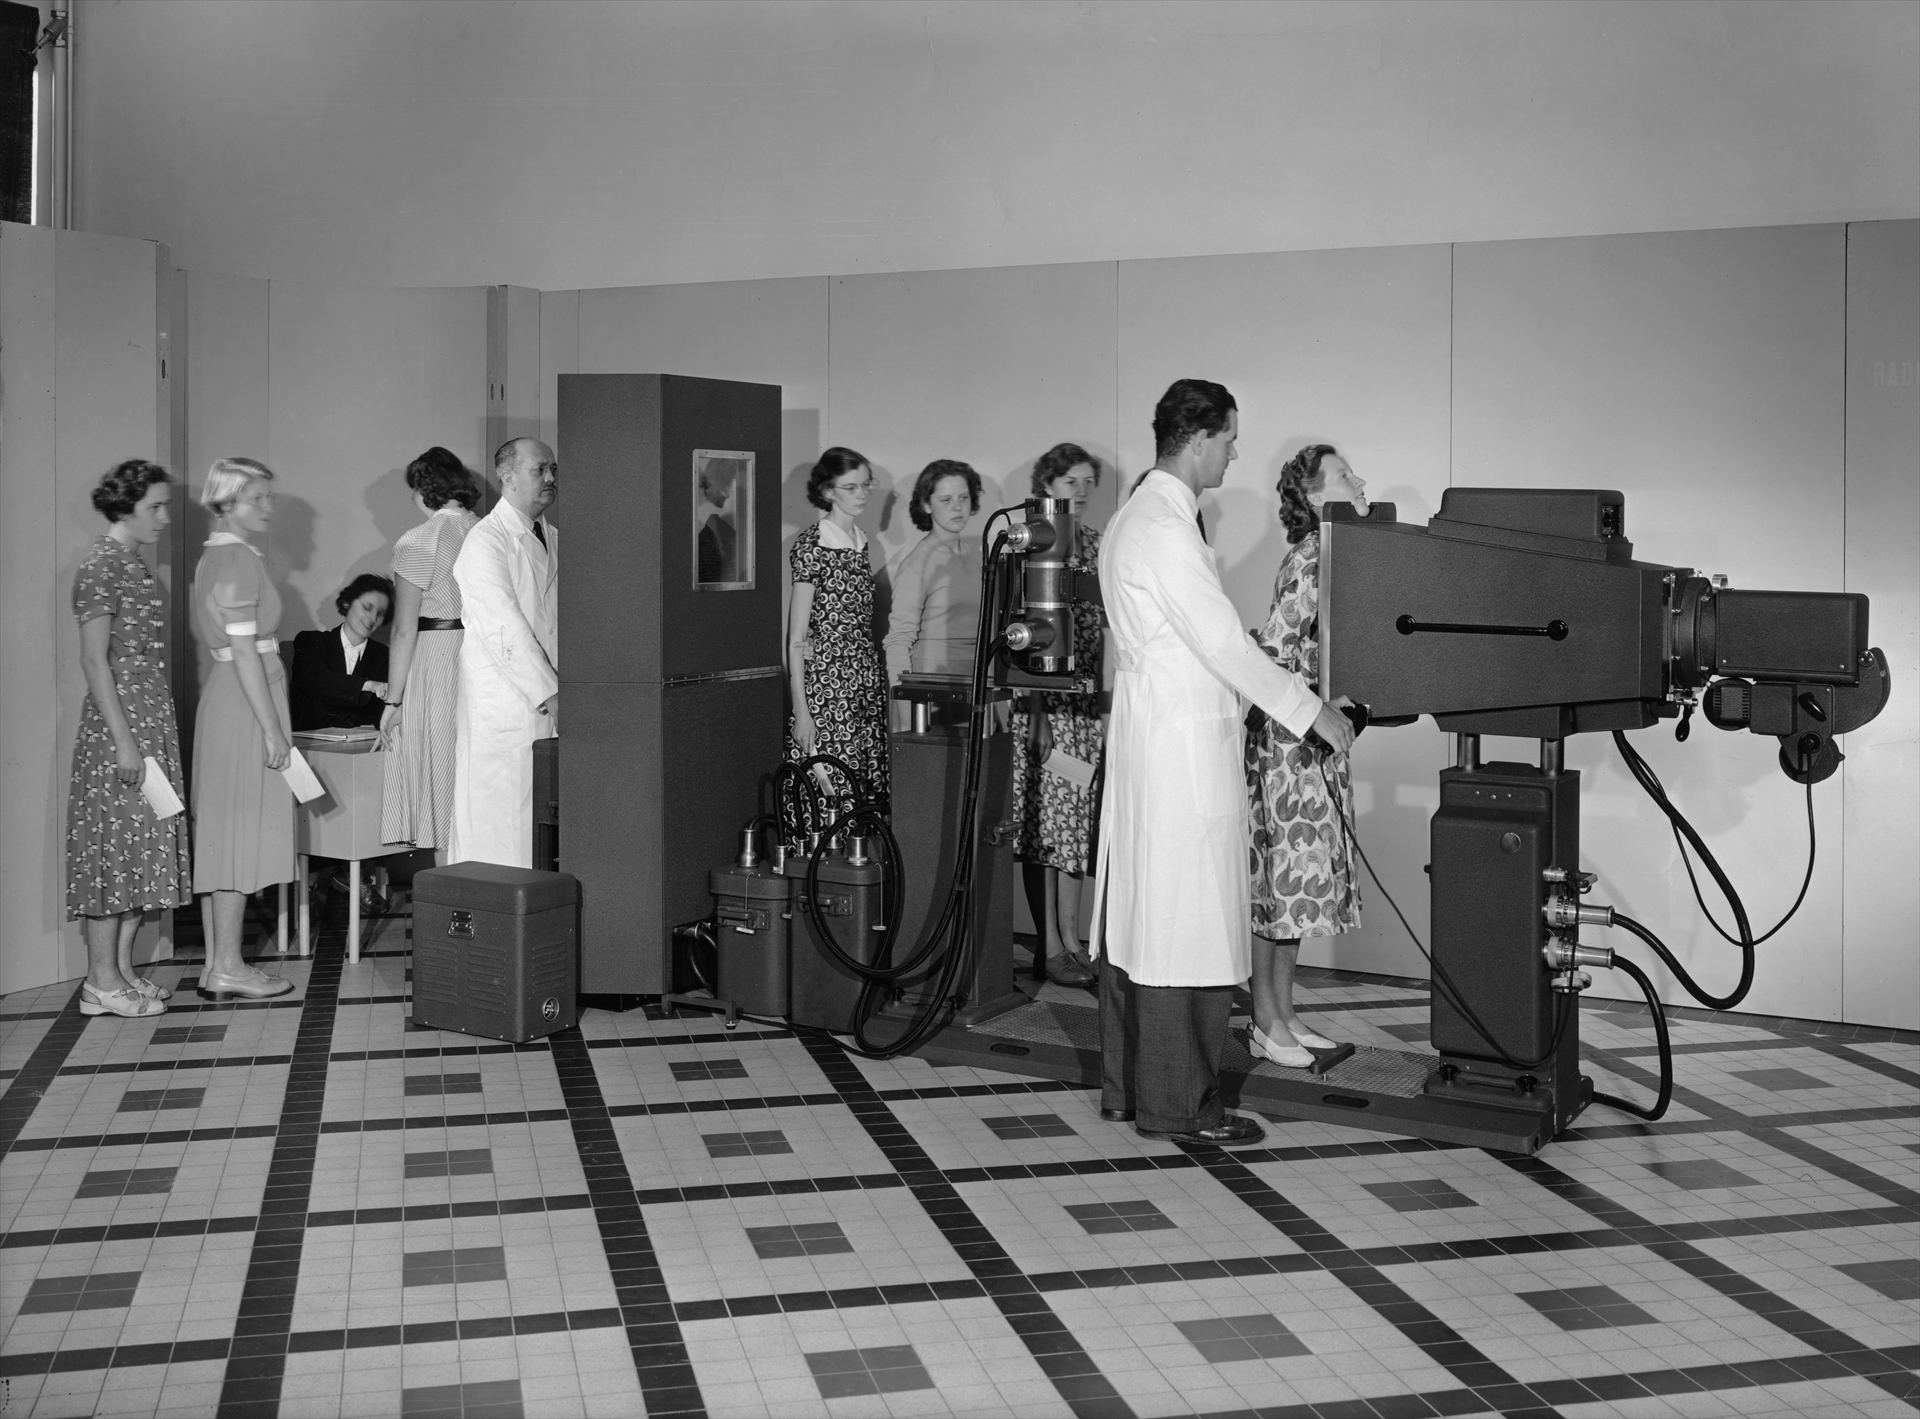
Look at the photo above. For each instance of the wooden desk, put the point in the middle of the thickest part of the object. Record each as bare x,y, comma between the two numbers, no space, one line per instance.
345,824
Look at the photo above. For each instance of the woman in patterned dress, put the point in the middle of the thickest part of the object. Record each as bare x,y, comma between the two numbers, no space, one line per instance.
1054,813
423,662
122,861
833,660
1301,855
242,807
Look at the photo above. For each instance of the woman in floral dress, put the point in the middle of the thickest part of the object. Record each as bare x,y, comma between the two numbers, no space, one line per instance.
122,860
833,659
1302,801
1055,814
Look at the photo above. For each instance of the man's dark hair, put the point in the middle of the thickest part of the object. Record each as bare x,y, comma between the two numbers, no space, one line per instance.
1189,407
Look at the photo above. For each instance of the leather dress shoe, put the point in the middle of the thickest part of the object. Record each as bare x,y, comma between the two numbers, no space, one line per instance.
1116,1115
1233,1131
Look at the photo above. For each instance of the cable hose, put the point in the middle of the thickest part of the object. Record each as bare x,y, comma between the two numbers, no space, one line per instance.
1665,1097
954,926
1650,781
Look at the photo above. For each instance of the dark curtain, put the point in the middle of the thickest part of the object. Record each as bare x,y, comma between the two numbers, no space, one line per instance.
19,28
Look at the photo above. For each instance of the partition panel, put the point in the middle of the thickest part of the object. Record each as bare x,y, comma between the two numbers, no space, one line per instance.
1702,374
1340,347
1882,834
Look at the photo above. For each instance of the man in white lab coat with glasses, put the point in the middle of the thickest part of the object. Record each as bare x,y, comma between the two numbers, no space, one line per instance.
509,576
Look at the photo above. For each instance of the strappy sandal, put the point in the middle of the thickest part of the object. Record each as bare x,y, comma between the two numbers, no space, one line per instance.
127,1002
151,988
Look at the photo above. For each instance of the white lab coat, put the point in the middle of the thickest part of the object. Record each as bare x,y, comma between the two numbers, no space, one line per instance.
1172,903
510,603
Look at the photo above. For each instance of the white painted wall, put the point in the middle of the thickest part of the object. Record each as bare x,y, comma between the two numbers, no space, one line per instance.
567,145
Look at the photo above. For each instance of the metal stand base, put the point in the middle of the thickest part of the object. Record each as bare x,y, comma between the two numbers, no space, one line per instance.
1364,1087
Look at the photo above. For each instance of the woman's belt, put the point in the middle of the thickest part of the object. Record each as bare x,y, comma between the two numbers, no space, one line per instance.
439,623
266,645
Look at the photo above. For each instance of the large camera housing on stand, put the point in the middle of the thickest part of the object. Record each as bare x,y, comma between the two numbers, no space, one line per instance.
1521,613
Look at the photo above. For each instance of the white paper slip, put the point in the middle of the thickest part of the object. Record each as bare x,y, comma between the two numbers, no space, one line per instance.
1074,771
300,777
159,794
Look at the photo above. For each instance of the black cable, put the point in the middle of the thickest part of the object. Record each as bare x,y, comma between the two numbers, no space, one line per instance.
1806,880
1650,781
1665,1096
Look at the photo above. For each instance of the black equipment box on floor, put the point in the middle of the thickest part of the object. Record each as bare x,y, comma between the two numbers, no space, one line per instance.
496,951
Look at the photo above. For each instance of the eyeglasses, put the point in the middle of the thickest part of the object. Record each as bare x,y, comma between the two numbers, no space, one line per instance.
861,487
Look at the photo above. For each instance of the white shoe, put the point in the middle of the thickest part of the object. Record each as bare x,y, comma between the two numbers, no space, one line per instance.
1261,1047
1311,1040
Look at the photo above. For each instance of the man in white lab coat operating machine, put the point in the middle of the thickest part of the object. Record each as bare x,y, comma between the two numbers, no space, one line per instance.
1172,922
509,575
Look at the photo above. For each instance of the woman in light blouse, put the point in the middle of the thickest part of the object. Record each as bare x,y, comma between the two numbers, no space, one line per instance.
936,587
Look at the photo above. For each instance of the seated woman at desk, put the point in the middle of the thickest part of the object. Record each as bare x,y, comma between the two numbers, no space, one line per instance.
936,586
340,676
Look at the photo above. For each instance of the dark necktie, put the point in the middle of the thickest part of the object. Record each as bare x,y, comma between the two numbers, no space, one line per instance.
1200,521
541,532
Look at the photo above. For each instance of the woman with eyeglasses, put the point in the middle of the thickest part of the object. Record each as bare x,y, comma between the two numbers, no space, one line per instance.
833,660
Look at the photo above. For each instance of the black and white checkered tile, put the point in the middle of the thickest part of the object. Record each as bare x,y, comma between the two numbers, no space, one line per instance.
307,1207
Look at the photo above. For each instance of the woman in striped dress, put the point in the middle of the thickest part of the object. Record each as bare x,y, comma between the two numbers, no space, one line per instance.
424,656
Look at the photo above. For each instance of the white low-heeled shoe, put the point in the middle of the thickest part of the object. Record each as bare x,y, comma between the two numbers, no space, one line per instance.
1260,1046
1311,1040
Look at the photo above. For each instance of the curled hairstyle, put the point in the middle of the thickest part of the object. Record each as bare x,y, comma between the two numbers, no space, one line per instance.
122,486
1300,476
1189,407
918,505
359,587
440,478
1058,461
227,479
834,465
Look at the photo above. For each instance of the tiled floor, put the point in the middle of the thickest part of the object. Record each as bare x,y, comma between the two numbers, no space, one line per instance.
306,1207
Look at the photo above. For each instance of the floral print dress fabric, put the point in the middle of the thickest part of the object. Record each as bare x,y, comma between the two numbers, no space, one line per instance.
119,857
1301,853
1056,817
846,686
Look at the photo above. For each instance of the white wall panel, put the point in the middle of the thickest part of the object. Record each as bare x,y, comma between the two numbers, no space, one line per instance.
990,367
1340,347
1882,772
1702,375
361,382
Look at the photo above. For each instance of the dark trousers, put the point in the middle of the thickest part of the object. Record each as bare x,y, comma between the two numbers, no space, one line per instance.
1160,1051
